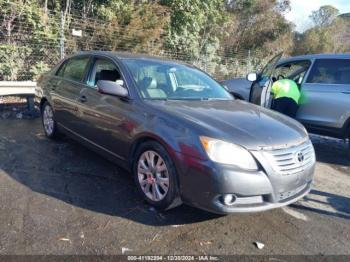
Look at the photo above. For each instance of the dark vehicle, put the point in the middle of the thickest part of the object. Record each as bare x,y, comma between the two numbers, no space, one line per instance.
180,133
324,81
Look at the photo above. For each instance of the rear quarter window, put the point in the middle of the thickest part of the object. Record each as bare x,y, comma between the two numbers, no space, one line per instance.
330,71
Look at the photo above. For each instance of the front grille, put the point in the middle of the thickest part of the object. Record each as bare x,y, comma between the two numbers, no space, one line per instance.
291,160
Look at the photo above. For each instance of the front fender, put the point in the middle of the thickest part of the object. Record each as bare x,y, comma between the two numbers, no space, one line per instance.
172,134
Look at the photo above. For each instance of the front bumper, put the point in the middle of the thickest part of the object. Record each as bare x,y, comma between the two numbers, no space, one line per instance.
203,183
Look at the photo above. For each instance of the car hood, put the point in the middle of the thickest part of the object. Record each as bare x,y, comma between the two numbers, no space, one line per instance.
248,125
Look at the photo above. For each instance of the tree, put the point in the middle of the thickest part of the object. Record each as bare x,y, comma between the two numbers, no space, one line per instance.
26,36
194,26
331,33
257,25
207,33
324,16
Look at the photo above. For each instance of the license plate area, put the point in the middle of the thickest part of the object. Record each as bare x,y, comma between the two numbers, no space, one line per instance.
290,193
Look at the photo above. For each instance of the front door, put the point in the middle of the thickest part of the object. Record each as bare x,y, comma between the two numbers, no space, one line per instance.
293,70
105,119
260,91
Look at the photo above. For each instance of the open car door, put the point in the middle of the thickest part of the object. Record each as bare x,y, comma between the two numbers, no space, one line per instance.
260,93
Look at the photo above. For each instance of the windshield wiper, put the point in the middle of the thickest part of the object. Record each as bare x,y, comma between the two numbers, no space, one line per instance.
197,98
160,99
185,98
219,99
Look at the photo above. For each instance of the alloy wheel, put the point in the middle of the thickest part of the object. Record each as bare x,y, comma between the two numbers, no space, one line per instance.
153,175
48,120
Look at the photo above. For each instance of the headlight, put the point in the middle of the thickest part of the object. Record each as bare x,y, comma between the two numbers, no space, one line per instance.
226,153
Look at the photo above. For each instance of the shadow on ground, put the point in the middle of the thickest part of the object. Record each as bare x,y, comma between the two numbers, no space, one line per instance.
325,203
332,151
67,171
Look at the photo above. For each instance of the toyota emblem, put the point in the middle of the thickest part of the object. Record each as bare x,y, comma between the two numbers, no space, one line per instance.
300,157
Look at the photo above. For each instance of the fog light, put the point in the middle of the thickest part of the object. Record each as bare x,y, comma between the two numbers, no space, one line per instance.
229,199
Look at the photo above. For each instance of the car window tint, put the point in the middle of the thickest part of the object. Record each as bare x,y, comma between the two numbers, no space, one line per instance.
103,69
74,68
60,71
330,71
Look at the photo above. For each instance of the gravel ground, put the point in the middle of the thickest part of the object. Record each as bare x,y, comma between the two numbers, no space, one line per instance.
60,198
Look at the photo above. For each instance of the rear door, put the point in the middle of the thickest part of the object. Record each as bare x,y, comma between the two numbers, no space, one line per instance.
326,94
260,91
66,91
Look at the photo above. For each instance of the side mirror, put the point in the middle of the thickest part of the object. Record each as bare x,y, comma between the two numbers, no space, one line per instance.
252,77
112,88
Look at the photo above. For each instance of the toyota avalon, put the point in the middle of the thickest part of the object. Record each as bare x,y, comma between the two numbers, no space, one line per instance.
182,136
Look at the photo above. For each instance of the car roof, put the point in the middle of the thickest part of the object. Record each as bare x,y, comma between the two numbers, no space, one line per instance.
127,55
316,56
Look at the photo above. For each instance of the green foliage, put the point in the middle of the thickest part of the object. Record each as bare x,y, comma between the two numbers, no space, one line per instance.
25,32
195,26
120,9
14,58
122,25
224,37
37,69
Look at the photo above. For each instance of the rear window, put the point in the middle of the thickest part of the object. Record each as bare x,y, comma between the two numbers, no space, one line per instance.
330,71
74,68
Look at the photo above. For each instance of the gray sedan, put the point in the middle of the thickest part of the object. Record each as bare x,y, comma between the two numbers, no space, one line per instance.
180,133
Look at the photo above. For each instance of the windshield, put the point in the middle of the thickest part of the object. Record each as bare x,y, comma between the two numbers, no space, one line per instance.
172,81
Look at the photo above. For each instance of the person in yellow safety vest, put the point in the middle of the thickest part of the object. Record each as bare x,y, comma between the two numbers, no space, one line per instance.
286,96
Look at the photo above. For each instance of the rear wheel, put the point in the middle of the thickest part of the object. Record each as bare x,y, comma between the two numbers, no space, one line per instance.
155,176
49,122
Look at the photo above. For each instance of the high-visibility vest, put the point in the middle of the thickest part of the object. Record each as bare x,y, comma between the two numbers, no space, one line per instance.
286,88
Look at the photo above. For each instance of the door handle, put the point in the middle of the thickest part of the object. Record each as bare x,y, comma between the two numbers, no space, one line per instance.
82,99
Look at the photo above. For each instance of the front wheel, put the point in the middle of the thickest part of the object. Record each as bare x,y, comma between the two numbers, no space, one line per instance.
155,176
49,122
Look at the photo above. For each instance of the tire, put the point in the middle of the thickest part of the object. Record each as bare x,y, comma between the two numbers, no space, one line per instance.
156,183
49,122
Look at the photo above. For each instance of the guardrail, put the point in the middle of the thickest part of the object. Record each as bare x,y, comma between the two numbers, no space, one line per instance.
20,88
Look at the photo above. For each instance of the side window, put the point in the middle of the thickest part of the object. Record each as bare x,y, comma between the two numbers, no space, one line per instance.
74,68
103,69
293,71
330,71
60,71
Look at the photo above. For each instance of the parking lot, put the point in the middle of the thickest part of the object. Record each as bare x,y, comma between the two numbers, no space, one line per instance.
61,198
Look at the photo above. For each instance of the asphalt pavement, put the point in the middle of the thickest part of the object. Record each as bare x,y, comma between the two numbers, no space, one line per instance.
61,198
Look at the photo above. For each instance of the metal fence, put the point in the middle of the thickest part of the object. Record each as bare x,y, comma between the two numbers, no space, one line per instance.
29,48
